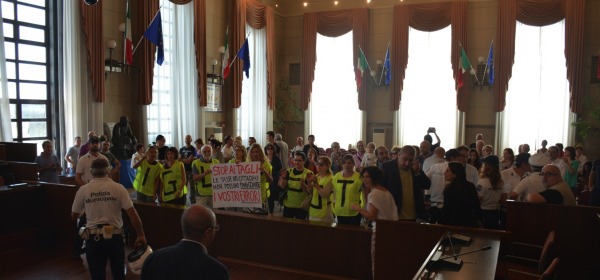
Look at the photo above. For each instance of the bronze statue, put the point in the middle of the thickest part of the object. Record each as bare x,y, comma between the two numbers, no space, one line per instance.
123,139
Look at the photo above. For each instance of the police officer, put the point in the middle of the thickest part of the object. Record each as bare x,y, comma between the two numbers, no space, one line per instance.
102,200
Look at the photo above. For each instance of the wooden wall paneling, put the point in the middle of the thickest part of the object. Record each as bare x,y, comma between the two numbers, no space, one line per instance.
577,234
20,209
162,225
2,152
294,244
58,200
16,151
22,171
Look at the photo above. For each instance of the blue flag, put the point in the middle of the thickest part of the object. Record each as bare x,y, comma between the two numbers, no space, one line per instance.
244,54
154,34
387,67
490,64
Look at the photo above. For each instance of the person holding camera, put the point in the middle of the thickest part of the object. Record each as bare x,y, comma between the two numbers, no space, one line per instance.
429,139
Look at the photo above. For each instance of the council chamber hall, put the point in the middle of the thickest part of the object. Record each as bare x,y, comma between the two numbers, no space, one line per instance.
509,89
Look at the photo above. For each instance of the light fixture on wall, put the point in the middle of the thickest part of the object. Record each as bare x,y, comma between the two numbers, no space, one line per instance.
109,64
222,52
115,65
122,27
378,74
91,2
215,77
482,74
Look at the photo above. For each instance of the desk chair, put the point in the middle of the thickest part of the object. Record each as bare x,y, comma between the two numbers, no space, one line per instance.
548,274
528,264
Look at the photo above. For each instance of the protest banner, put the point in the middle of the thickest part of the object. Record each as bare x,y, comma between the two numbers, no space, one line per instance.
236,185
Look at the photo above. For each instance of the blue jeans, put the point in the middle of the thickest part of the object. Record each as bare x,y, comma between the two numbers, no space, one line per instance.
103,250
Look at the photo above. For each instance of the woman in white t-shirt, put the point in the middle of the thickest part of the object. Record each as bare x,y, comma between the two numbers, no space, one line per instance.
380,202
489,190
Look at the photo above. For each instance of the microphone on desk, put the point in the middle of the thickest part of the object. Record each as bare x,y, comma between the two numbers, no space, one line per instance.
484,248
449,237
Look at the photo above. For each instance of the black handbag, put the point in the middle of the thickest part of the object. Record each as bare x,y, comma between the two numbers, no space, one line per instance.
282,196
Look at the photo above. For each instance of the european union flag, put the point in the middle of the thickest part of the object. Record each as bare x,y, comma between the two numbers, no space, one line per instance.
244,54
154,34
387,66
490,64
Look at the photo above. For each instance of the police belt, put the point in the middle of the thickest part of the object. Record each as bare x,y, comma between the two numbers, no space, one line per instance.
439,205
99,231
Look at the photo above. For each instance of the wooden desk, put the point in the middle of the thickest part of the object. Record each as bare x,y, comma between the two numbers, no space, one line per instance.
20,208
476,264
320,248
267,241
401,247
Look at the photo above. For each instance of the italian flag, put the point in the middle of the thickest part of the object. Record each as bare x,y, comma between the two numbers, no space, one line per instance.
225,62
361,67
128,40
464,64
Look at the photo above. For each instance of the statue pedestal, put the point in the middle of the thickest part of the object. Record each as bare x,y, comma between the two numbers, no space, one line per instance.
127,173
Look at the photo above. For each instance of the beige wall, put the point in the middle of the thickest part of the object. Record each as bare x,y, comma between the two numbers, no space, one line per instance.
288,48
118,86
121,88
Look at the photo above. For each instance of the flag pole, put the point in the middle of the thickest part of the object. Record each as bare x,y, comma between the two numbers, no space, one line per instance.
124,33
236,54
369,66
386,57
142,37
486,62
476,79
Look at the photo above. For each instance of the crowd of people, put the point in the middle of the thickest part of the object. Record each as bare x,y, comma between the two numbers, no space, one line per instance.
313,183
462,186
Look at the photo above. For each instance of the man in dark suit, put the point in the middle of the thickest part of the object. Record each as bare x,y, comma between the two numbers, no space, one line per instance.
188,259
406,181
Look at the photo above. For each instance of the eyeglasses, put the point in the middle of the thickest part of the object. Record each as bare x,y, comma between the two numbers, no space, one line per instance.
548,174
322,164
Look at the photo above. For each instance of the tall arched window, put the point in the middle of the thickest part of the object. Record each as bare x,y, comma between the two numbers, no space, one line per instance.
537,100
174,101
429,96
333,113
251,117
